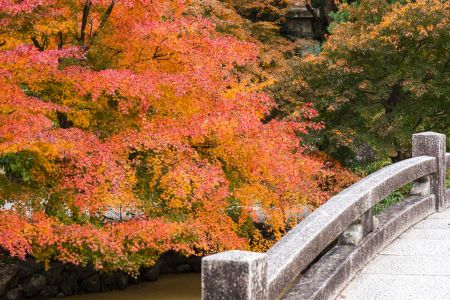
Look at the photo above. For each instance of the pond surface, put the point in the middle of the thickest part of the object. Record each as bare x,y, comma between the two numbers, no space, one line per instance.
167,287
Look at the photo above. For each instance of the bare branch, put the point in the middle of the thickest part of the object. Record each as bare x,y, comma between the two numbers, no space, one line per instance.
86,10
105,18
37,44
91,27
60,40
159,55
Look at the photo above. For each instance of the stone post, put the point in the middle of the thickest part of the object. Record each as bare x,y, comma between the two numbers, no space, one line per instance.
234,275
357,231
433,144
367,222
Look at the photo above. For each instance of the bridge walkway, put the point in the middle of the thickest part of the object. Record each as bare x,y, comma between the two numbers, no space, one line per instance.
414,266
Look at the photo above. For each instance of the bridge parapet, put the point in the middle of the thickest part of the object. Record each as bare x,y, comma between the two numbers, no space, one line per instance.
248,275
433,144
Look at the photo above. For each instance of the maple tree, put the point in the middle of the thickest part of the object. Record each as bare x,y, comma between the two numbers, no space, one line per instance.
382,75
125,133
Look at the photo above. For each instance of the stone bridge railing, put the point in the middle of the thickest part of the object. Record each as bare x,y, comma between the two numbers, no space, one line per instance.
322,253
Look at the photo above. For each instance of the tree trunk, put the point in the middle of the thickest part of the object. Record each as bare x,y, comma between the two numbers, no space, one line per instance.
394,97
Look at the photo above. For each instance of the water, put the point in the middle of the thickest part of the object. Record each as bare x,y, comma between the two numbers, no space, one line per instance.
167,287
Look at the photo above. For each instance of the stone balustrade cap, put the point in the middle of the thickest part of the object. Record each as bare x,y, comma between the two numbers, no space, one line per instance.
268,274
429,133
235,256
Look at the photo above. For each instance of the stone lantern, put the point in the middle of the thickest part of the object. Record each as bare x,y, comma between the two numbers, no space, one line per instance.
299,21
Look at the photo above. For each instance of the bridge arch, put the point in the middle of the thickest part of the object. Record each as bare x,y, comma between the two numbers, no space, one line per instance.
308,262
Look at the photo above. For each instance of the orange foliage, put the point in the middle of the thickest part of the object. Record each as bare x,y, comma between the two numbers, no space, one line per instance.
138,113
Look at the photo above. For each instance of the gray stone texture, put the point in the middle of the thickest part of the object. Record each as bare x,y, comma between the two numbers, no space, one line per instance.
234,275
433,224
196,263
300,246
15,294
414,266
430,234
247,275
368,222
353,235
422,186
416,247
409,265
329,275
7,273
34,285
150,274
433,144
398,287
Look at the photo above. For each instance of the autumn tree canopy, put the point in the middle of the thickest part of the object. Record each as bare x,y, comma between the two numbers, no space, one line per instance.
125,132
383,74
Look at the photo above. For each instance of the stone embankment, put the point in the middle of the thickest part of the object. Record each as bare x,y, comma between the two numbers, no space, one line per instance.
29,279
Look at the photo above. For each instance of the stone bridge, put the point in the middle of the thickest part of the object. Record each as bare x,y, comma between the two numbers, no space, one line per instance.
343,251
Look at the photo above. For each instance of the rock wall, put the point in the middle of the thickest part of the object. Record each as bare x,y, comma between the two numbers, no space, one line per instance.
28,279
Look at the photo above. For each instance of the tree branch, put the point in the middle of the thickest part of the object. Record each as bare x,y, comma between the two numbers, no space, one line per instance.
37,44
86,10
45,43
105,18
60,40
107,14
